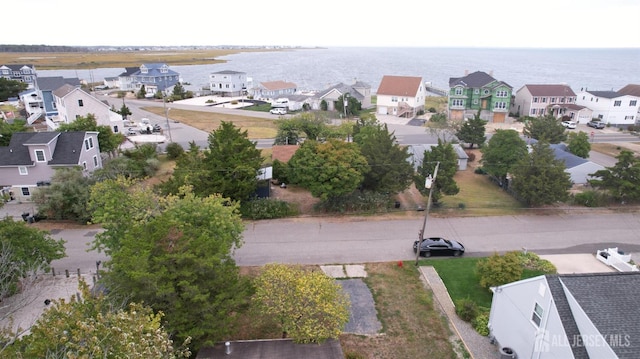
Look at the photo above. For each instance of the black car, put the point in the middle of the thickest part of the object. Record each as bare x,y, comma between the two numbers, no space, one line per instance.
596,124
436,246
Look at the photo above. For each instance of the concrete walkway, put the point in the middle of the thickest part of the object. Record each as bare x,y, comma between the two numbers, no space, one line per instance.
477,346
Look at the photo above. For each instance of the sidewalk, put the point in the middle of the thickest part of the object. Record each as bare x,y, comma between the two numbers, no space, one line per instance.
479,347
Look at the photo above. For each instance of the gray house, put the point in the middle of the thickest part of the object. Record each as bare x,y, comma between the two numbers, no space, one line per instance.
577,167
568,316
417,155
31,158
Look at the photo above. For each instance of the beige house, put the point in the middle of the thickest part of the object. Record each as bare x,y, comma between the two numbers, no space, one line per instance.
401,96
540,100
73,102
273,90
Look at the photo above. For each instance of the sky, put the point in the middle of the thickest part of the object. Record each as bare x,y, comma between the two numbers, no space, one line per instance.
327,23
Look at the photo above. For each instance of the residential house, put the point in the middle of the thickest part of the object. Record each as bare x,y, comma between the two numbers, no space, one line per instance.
568,316
22,72
611,107
73,102
401,96
479,91
31,158
359,90
126,81
41,102
632,90
228,83
577,113
271,90
540,100
155,77
577,167
272,348
416,153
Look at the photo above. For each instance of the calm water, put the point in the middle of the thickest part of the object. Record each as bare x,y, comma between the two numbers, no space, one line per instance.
317,69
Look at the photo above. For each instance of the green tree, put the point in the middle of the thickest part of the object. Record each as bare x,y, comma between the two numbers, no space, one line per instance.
124,111
24,249
288,132
93,327
444,183
498,270
314,127
232,163
389,169
107,140
353,106
190,170
67,197
578,144
11,88
622,180
309,306
504,149
546,128
540,178
179,261
179,92
142,93
330,169
8,129
472,131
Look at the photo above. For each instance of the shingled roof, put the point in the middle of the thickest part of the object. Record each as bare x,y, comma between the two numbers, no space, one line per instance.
473,80
273,348
67,150
399,85
631,90
550,90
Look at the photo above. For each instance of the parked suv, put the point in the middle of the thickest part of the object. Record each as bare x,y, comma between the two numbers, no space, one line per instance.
596,124
278,111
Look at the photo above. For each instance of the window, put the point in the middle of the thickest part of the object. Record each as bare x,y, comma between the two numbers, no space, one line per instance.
486,92
617,103
628,117
95,161
501,93
476,91
80,103
633,102
533,111
475,101
553,100
25,191
458,91
23,171
537,314
501,105
84,165
544,100
394,99
88,143
457,103
115,129
535,99
40,156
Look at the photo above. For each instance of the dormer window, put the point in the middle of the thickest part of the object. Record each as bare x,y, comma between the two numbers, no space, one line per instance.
458,91
40,156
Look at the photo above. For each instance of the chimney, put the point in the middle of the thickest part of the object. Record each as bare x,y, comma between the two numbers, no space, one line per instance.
466,72
491,73
227,348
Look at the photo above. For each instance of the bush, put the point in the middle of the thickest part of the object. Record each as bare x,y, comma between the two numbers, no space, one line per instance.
266,208
480,171
471,155
480,323
357,202
532,261
497,270
174,150
590,199
466,309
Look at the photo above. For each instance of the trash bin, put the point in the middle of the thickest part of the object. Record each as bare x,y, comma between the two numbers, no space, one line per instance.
25,215
507,353
397,204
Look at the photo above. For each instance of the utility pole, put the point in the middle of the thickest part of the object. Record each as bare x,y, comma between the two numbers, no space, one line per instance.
429,183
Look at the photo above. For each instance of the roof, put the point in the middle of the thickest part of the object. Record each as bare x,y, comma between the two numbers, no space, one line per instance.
573,106
610,301
631,90
17,67
128,71
570,160
283,153
228,72
550,90
64,90
343,89
474,79
55,82
566,317
278,85
399,85
605,94
273,348
67,150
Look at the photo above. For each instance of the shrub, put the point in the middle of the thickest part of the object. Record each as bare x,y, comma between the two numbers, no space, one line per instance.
532,261
174,150
471,155
590,199
357,202
480,171
480,323
497,270
266,208
466,309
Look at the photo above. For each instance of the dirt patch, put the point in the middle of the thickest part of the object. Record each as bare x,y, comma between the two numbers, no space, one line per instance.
300,198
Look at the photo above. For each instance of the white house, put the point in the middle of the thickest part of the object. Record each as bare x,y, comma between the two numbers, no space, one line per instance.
568,316
577,167
539,100
401,96
73,102
611,107
632,90
228,83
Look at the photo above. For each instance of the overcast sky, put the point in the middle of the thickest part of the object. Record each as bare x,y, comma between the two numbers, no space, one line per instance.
331,23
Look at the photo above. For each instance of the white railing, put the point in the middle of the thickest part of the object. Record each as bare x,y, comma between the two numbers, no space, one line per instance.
616,259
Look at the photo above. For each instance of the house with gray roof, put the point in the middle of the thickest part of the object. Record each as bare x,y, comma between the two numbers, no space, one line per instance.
228,83
272,90
569,316
577,167
31,158
20,72
612,107
359,90
73,102
126,81
40,102
416,155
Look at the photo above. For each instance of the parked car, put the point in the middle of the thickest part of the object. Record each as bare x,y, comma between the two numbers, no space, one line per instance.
436,246
131,132
596,124
278,111
569,124
157,128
